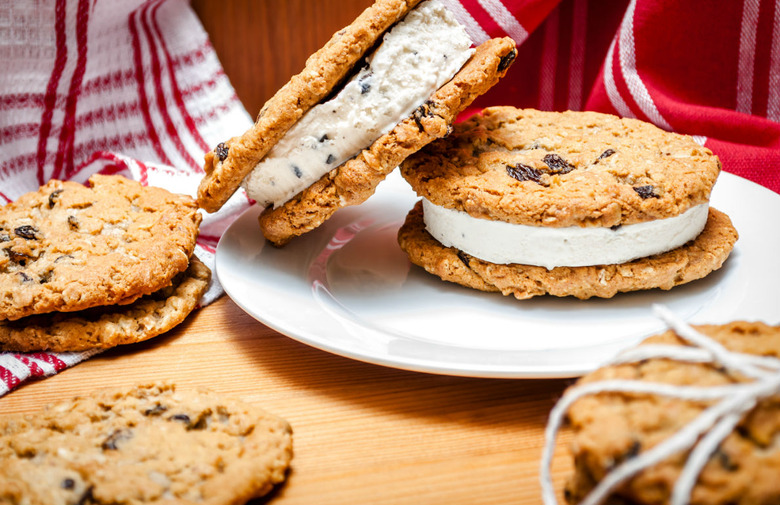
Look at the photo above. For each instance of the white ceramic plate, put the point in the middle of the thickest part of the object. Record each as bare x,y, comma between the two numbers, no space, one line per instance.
347,288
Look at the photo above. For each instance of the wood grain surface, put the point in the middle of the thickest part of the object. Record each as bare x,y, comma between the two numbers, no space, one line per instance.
363,433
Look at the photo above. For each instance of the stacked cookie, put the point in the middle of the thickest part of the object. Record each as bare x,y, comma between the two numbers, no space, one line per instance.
96,266
578,204
326,139
145,444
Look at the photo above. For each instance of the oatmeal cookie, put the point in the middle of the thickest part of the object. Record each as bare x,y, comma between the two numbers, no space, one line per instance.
146,444
559,169
609,428
69,247
108,326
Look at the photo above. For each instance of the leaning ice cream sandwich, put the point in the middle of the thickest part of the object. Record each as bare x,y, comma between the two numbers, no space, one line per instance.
378,91
567,203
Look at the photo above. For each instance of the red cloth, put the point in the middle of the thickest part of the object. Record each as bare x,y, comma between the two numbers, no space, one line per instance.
134,87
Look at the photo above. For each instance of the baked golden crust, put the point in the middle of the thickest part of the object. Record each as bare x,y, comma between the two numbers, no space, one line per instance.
143,444
560,169
108,326
68,247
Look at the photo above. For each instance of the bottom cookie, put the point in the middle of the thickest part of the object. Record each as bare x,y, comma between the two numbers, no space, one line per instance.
109,326
692,261
145,444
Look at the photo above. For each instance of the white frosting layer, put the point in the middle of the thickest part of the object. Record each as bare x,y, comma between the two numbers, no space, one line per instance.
505,243
416,57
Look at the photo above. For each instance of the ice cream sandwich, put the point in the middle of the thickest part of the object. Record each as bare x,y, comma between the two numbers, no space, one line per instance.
381,89
580,204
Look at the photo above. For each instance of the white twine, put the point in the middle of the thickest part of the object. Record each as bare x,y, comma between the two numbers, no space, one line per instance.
706,432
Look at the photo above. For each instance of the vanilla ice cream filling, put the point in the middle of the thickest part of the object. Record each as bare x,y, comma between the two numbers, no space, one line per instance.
416,57
504,243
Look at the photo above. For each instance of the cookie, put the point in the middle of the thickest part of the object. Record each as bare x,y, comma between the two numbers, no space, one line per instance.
145,444
345,110
108,326
356,180
706,253
69,247
609,428
231,161
569,204
561,169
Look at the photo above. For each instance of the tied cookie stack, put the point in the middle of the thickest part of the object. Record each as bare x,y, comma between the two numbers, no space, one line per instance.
145,444
691,416
327,138
96,266
577,204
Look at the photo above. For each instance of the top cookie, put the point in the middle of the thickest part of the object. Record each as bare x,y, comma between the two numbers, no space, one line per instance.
68,247
231,161
560,169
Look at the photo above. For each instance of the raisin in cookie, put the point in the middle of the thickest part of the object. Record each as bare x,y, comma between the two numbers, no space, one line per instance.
610,428
68,247
572,204
108,326
327,138
146,444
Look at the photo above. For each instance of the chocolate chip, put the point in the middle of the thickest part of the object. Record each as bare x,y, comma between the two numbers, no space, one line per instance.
222,151
324,138
463,257
18,258
27,232
523,172
646,192
156,410
45,277
330,159
181,417
725,460
68,484
615,227
424,110
87,497
507,60
54,196
25,277
557,164
109,444
73,222
630,453
297,171
605,154
365,86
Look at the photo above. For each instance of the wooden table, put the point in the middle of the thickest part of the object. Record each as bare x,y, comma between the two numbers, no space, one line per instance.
363,433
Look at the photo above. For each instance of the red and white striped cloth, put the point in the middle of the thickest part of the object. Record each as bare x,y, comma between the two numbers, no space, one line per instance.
134,87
